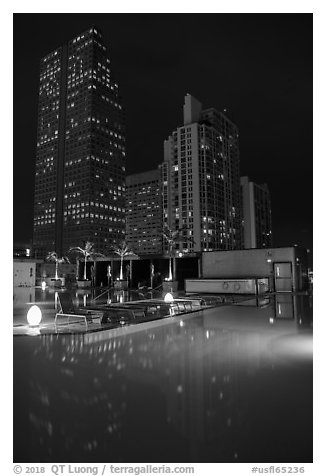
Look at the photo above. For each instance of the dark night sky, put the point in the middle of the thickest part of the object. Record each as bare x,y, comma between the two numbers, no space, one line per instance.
259,66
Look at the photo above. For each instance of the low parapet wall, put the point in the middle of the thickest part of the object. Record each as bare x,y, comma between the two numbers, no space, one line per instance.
227,286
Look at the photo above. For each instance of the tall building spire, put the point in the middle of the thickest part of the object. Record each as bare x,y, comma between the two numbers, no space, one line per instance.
257,214
191,110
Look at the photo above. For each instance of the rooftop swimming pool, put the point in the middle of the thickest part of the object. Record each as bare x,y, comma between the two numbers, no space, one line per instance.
226,384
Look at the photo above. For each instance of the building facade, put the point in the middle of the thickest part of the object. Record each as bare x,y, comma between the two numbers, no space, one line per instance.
201,180
80,158
144,212
257,215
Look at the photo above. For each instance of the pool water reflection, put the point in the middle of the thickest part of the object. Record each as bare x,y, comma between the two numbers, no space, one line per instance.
231,384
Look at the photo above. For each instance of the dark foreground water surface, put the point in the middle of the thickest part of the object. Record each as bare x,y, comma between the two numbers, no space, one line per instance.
230,384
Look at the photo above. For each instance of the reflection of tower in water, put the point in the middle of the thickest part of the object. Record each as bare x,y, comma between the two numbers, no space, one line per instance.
85,400
74,414
203,395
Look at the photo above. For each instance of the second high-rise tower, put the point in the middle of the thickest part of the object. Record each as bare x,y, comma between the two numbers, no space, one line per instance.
201,180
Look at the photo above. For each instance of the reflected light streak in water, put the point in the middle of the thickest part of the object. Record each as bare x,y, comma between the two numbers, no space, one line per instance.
294,346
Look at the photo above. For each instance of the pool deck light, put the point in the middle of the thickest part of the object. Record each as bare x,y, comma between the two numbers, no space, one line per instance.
34,316
168,297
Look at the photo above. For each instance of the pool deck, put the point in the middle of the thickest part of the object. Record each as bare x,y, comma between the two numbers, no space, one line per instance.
179,307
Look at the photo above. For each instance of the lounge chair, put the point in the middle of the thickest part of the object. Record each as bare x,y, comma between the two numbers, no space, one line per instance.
67,309
122,313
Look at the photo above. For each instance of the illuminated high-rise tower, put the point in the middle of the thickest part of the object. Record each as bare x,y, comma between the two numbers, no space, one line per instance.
201,180
80,158
144,212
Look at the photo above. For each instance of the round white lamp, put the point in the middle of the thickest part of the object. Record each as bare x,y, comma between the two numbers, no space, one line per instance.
34,316
168,297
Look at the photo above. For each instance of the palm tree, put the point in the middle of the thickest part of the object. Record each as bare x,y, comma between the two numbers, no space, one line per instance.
173,237
53,256
88,252
123,250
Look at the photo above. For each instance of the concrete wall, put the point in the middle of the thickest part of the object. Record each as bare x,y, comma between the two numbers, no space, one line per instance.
254,263
23,296
47,270
229,286
243,263
24,273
